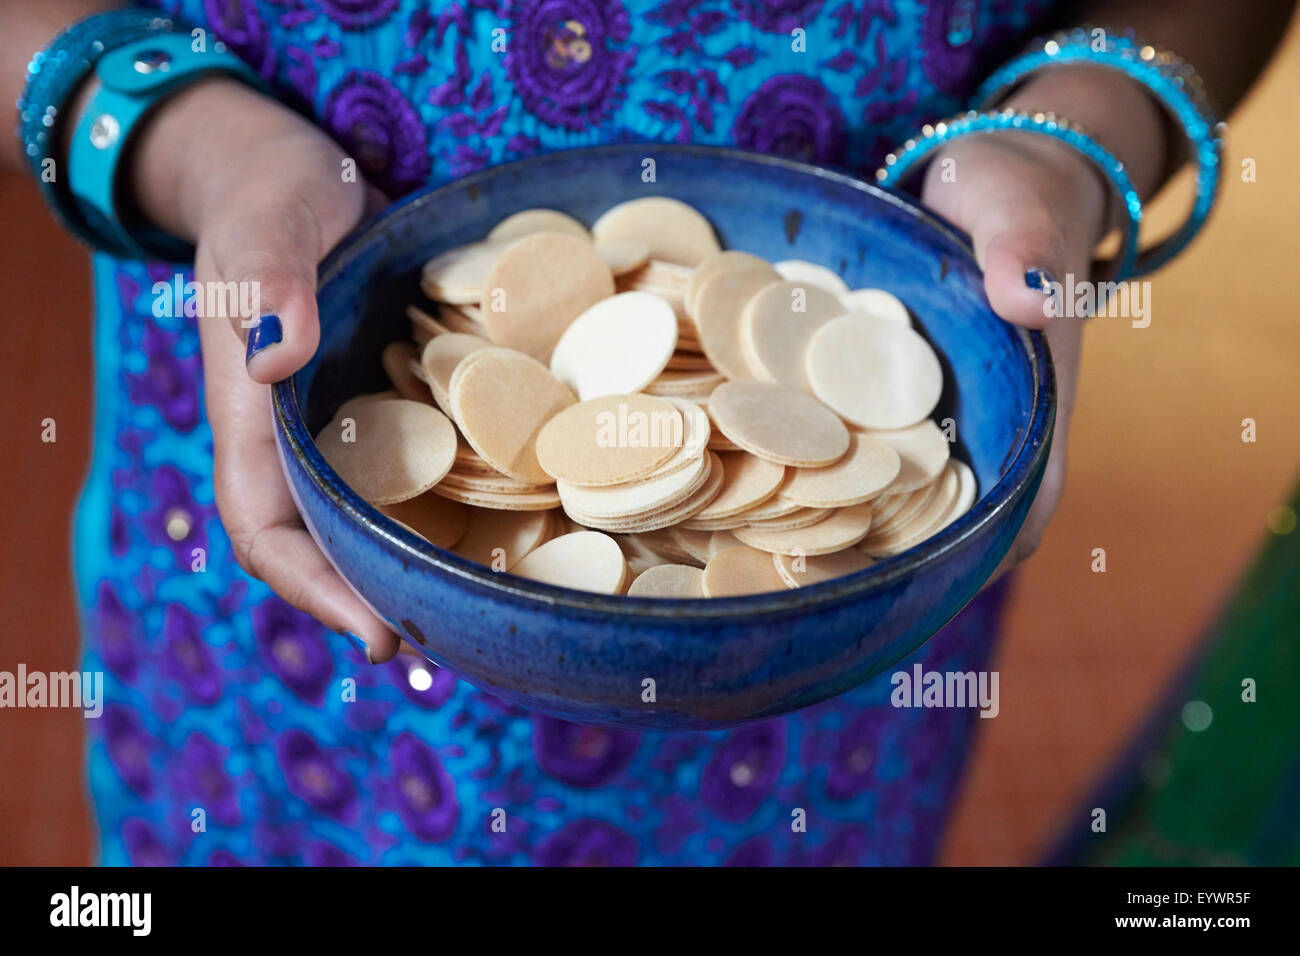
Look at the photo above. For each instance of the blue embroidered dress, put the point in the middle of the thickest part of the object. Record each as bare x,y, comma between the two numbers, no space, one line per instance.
223,699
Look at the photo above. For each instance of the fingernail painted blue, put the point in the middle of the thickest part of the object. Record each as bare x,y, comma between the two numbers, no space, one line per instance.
266,333
358,643
1039,280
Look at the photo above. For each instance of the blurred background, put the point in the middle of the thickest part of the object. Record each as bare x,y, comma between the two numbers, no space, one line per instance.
1159,477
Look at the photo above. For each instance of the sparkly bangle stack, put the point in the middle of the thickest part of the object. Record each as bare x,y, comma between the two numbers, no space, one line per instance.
900,163
1171,81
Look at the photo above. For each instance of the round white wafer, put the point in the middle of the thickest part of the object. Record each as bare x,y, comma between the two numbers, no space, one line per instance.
719,262
432,517
779,423
810,273
806,570
616,347
675,232
492,481
776,326
866,470
720,306
875,373
668,517
803,518
669,581
460,274
623,255
500,539
741,570
501,399
749,482
423,321
439,359
393,450
921,524
396,359
503,501
922,452
633,500
585,561
877,303
610,440
527,305
774,507
886,506
685,384
902,517
842,529
529,221
694,543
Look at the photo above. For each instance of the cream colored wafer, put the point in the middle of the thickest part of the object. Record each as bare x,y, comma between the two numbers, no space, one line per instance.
922,452
741,570
873,372
916,502
774,507
718,262
585,561
529,221
864,472
720,308
610,440
527,305
623,255
804,272
501,539
423,320
457,321
503,484
778,423
803,518
877,303
389,450
539,501
675,232
629,501
685,384
694,543
696,431
886,506
501,399
396,359
776,326
843,528
460,274
616,347
639,556
805,570
678,513
669,581
749,482
439,360
922,523
432,517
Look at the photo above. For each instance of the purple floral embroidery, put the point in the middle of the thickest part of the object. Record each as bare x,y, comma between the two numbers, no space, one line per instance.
756,851
777,16
844,848
358,14
567,60
204,779
587,843
176,520
794,116
371,117
187,659
580,755
426,794
313,775
321,853
743,770
238,24
853,762
948,45
223,858
116,632
170,382
143,846
128,748
292,643
406,675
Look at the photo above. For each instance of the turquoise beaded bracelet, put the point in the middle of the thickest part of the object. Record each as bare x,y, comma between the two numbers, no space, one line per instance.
905,160
1173,83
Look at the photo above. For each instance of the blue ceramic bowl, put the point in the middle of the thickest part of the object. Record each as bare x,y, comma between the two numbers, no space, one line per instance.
715,663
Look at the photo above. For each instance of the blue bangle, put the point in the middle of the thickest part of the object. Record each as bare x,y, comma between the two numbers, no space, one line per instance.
53,75
905,160
1173,83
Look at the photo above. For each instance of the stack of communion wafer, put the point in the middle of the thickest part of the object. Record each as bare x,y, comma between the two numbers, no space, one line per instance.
630,409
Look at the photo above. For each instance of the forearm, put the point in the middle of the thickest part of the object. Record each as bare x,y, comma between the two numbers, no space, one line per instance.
27,28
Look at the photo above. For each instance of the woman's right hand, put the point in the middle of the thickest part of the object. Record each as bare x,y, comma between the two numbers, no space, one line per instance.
262,193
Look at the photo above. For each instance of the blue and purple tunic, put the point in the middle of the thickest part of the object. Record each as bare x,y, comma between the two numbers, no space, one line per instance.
223,699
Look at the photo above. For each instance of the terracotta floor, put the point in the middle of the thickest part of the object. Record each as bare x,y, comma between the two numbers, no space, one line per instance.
1159,478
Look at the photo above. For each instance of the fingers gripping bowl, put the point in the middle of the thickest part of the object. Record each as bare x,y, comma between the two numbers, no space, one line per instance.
675,664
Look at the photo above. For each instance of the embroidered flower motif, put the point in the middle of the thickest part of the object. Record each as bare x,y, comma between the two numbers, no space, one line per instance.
949,51
855,757
143,845
426,794
358,14
115,628
423,683
743,770
128,746
567,60
756,851
238,25
777,16
580,755
170,382
587,843
372,119
313,775
294,647
203,777
175,520
794,116
187,659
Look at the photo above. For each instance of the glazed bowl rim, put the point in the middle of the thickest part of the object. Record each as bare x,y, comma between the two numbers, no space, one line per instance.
1032,447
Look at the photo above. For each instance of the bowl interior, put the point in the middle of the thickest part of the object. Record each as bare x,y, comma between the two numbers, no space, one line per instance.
772,208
